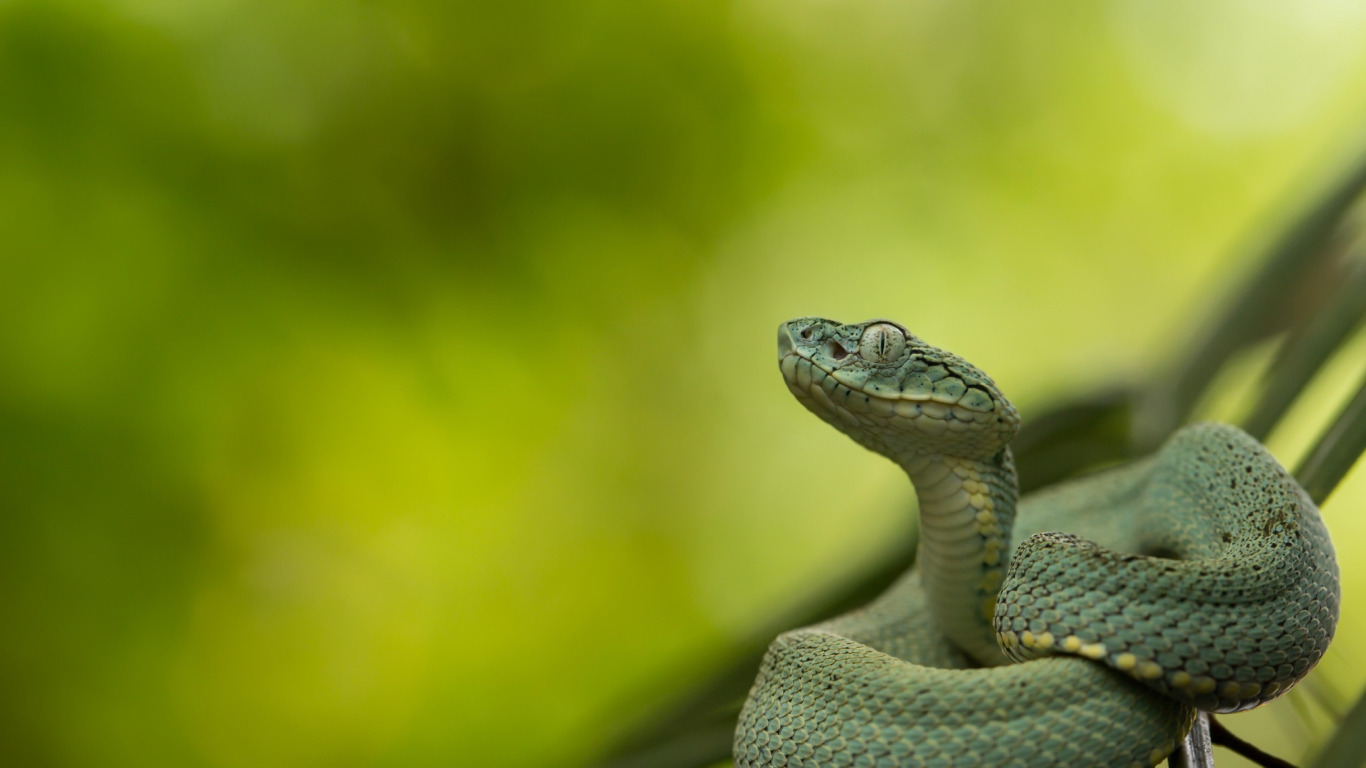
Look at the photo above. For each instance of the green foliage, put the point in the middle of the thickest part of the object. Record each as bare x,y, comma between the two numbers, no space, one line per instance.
392,384
1347,749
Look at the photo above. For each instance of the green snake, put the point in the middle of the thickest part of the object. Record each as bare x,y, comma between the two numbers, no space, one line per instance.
1201,577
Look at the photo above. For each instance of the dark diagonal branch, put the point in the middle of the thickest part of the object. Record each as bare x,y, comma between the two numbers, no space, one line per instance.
1225,738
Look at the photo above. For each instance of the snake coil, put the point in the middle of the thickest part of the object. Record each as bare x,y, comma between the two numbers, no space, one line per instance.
1201,577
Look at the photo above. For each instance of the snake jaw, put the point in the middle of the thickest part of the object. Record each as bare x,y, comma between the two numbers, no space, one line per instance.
892,392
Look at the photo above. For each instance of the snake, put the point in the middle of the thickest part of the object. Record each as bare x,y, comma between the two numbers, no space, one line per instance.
1082,625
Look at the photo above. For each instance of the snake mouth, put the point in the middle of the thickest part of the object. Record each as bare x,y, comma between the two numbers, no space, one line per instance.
802,370
870,415
791,363
888,405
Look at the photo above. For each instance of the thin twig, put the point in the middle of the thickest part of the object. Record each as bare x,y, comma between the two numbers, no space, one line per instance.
1225,738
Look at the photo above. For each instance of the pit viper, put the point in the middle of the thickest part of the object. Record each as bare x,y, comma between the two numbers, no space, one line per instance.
1082,625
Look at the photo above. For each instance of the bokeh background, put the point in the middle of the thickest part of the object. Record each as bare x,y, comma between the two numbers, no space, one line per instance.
393,383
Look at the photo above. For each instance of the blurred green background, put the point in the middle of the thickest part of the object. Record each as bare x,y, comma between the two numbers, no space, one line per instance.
394,384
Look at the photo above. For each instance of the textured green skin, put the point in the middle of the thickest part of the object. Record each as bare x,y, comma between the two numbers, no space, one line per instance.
1241,604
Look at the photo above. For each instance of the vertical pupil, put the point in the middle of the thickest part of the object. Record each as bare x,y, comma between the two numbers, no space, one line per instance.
881,343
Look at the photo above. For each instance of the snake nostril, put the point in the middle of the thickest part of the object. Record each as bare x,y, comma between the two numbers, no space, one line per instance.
806,332
836,350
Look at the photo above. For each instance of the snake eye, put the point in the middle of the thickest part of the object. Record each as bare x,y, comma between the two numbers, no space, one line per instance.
881,343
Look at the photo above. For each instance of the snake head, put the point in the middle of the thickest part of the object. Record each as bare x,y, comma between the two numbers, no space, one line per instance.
892,392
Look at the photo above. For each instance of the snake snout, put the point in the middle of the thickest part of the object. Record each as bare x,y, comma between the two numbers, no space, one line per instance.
794,336
786,345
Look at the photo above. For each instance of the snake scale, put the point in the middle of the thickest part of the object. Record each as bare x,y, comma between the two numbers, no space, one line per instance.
1199,577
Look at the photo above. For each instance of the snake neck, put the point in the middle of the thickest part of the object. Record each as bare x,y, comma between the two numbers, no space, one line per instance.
967,507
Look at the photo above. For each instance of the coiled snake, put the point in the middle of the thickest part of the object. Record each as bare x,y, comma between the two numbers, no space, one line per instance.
1200,577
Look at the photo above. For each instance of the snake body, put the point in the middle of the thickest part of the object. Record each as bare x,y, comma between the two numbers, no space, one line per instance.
1200,577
